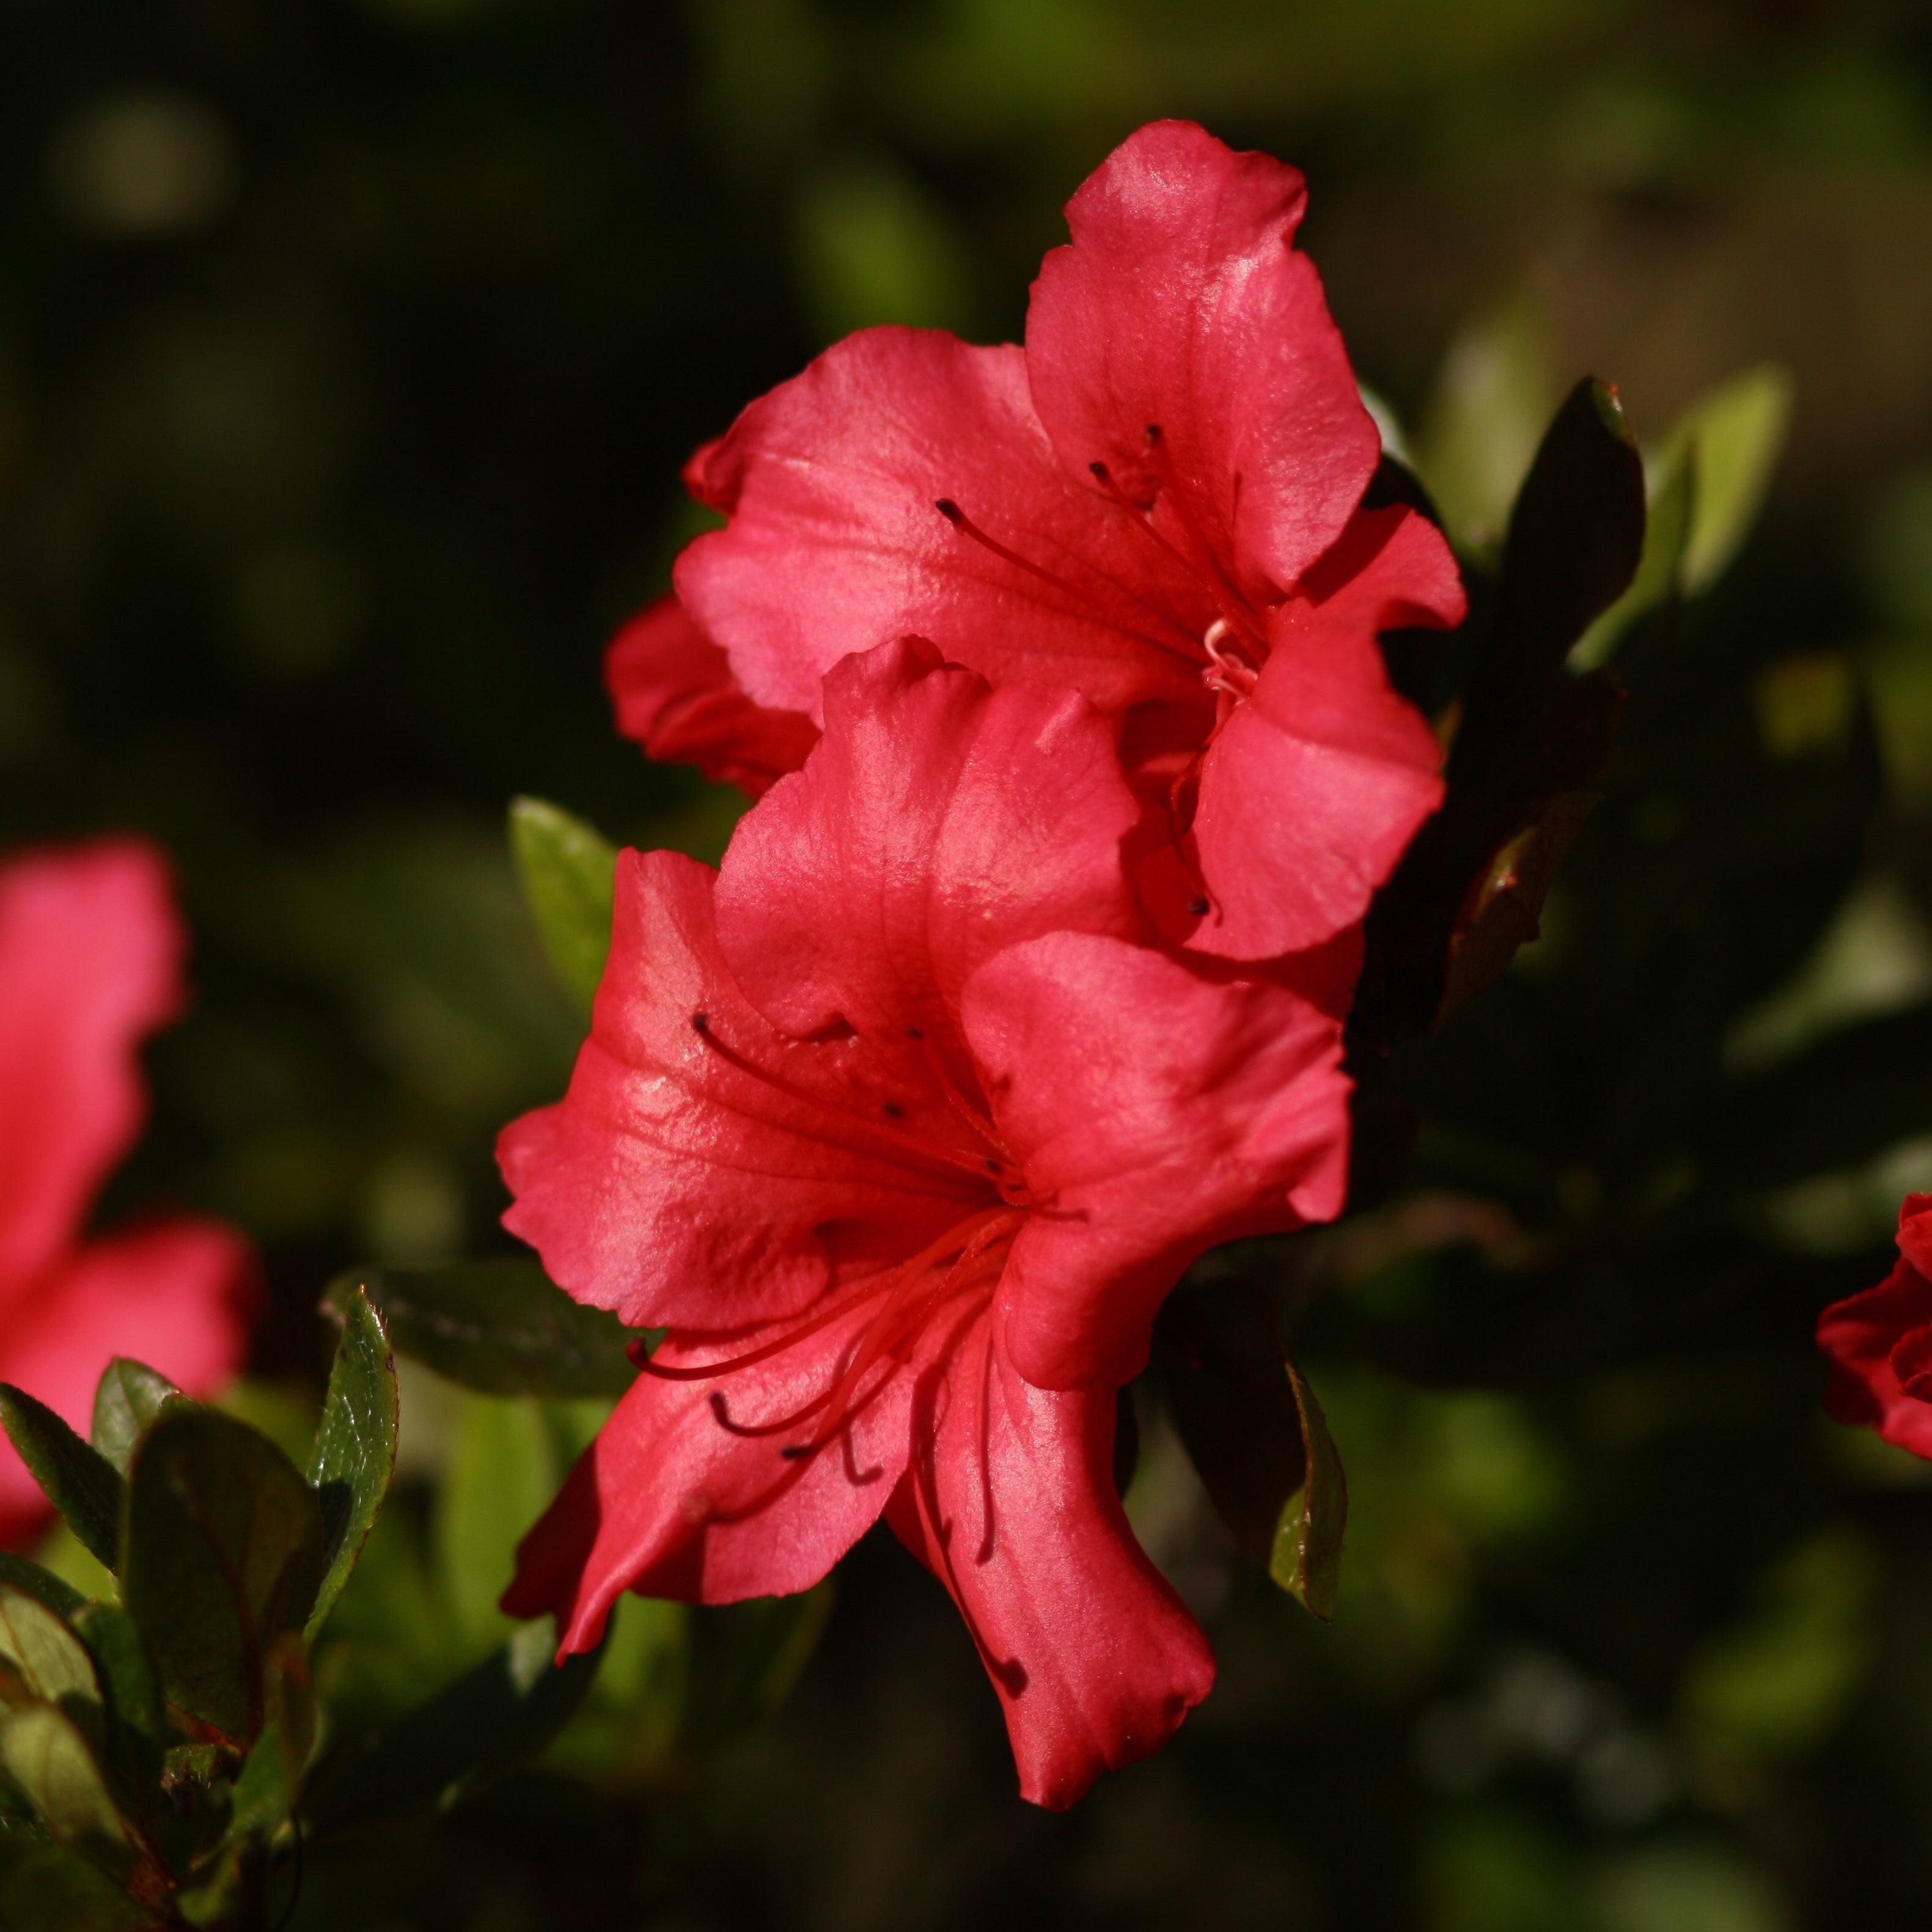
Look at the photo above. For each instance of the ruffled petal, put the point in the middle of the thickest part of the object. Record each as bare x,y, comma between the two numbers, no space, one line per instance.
1010,1502
1182,307
1156,1114
938,822
674,695
1879,1345
836,544
90,963
687,1493
179,1295
704,1171
1313,789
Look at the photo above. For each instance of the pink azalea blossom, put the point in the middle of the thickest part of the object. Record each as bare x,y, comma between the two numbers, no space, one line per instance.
1158,502
90,964
897,1128
1879,1342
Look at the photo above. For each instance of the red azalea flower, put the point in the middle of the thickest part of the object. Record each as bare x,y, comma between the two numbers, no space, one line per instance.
898,1131
1158,502
674,693
1880,1341
90,962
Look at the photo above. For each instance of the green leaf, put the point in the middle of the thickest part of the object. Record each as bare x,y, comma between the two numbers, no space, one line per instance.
568,870
751,1657
1575,538
355,1456
1255,1433
1737,432
1479,430
134,1730
45,1758
41,1659
1221,1368
79,1482
501,1714
502,1466
501,1327
61,1598
1672,494
1306,1559
128,1397
47,1888
270,1781
224,1555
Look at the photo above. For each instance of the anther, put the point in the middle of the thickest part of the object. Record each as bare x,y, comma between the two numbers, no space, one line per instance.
915,1033
1154,432
700,1022
796,1452
993,1165
949,510
892,1110
1198,907
640,1353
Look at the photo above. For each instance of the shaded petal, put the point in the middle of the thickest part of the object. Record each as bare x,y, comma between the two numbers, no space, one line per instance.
1869,1338
1156,1114
674,695
834,545
90,963
1010,1502
178,1295
710,1180
672,1500
1182,302
938,822
1313,789
1915,1232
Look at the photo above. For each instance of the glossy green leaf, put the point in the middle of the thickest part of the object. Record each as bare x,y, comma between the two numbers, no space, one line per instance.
46,1757
1672,498
224,1554
1576,536
501,1328
128,1397
1737,432
568,870
355,1455
48,1888
1306,1559
79,1482
501,1714
61,1598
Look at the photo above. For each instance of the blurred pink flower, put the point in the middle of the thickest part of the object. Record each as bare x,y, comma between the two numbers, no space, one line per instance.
90,963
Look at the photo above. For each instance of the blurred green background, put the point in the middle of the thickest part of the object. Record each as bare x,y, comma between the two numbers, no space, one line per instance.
348,352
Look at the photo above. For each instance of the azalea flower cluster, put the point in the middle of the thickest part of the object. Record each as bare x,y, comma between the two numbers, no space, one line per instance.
1055,670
